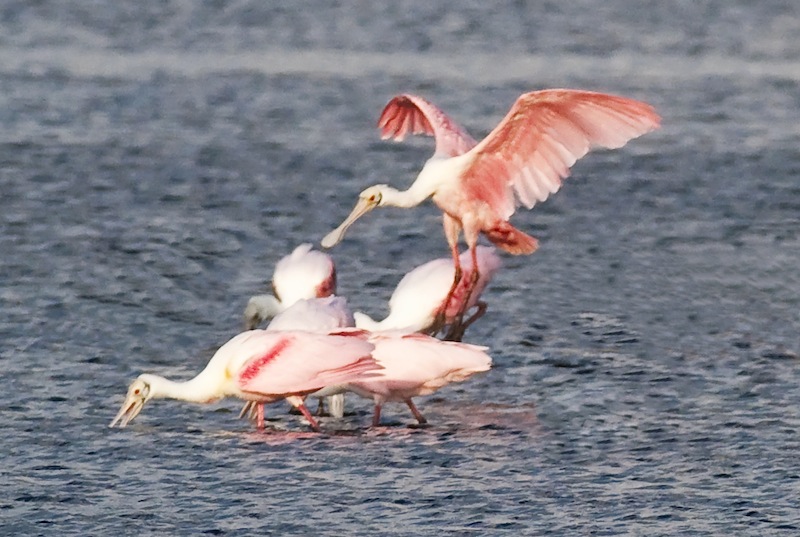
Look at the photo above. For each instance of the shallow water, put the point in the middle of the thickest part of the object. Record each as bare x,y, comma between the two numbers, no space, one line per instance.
157,161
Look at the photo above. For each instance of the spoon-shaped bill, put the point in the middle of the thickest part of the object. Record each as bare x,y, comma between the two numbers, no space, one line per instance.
129,410
362,207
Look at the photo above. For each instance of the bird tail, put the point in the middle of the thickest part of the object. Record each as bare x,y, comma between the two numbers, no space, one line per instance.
512,240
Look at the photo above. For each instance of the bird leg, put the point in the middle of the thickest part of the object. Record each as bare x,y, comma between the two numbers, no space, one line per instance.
456,332
457,327
452,230
440,321
254,411
376,417
298,403
247,410
259,415
417,414
321,407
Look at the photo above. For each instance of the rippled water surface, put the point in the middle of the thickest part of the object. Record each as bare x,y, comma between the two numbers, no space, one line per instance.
157,159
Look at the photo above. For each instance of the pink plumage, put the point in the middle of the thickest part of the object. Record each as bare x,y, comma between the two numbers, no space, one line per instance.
410,114
415,364
261,367
522,161
302,362
532,149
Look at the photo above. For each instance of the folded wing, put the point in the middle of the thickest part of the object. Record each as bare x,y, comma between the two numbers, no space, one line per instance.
301,362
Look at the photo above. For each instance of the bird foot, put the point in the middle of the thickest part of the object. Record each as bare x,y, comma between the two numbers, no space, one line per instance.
300,405
438,324
417,414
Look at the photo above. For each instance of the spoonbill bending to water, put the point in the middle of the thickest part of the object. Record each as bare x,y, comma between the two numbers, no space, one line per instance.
262,367
522,161
422,295
305,273
416,364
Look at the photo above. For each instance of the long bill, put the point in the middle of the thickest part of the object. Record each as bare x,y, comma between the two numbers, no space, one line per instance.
129,410
363,206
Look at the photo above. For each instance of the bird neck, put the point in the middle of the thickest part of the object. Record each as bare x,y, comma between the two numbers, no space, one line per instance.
262,307
416,194
365,322
436,172
402,198
204,388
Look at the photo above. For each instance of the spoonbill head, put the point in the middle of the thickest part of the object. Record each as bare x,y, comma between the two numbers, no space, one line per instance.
303,274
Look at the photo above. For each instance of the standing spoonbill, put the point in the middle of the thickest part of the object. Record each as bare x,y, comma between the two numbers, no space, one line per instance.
522,161
422,295
262,367
416,364
305,273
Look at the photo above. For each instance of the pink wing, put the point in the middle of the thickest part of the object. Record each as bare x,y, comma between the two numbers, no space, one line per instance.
409,114
541,137
415,364
301,362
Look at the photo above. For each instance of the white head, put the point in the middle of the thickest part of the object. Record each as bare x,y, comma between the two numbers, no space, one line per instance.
141,390
260,308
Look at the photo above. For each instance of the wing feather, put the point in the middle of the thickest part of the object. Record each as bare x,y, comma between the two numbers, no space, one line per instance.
542,136
409,114
301,362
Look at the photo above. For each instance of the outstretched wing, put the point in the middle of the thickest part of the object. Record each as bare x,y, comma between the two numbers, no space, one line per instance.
410,114
528,154
301,362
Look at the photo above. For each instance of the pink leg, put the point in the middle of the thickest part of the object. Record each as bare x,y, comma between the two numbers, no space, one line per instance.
452,229
417,414
473,280
456,332
298,403
259,415
311,421
458,327
376,418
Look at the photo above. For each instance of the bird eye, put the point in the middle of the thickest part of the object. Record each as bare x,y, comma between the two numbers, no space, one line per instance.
136,391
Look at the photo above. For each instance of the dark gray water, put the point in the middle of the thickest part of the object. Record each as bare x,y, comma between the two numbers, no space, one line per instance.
156,159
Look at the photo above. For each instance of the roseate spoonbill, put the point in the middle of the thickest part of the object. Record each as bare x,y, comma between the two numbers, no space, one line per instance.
305,273
416,364
422,295
522,161
262,367
319,315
